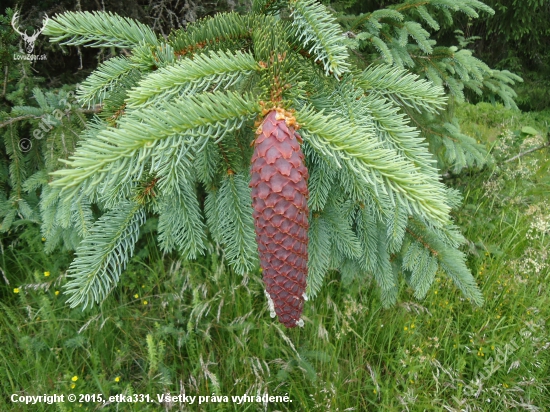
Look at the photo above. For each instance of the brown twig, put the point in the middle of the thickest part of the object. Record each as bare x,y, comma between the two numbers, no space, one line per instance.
16,119
5,81
424,243
95,109
534,149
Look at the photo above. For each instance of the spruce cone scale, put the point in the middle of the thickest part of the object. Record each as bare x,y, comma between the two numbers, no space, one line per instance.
279,199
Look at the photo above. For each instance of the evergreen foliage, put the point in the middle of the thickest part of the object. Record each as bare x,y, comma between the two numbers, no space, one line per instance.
53,131
100,30
399,37
178,122
517,38
103,254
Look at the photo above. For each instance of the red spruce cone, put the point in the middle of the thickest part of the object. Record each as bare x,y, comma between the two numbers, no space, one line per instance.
279,198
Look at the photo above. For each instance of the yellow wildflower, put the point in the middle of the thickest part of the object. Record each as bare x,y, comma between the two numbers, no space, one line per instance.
136,296
145,302
117,379
46,274
15,290
56,292
73,385
74,378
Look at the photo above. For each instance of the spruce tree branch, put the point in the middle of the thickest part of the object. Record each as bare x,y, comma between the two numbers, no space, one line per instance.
399,84
212,31
427,129
204,72
98,29
235,223
408,6
451,259
360,21
316,29
132,141
104,254
104,79
422,241
374,188
390,16
335,137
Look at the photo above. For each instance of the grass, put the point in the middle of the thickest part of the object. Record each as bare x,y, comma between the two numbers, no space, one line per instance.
197,328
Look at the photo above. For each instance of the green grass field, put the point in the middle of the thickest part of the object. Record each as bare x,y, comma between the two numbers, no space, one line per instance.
195,328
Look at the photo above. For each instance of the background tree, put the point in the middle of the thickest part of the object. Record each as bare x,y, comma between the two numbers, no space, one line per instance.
518,38
515,37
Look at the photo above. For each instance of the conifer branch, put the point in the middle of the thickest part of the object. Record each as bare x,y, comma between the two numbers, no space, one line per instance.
223,27
211,71
336,138
319,250
82,217
384,273
366,229
103,79
180,223
178,113
319,34
403,87
451,260
235,223
207,114
98,29
104,254
18,119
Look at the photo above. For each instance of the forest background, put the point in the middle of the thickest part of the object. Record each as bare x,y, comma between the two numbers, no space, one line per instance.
198,328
